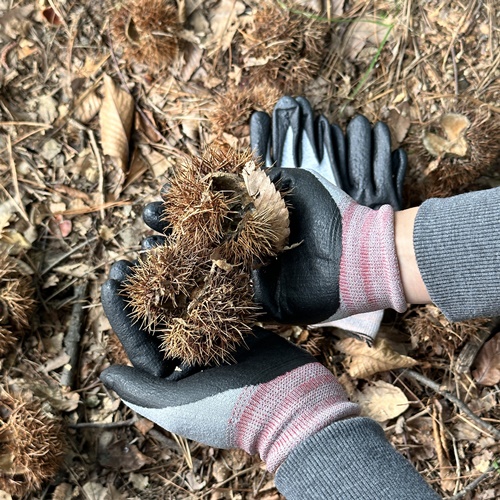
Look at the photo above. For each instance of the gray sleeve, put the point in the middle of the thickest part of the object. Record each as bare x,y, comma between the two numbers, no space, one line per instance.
350,460
457,245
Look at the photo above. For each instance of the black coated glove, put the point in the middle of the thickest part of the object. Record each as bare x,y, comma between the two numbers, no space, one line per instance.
361,163
274,396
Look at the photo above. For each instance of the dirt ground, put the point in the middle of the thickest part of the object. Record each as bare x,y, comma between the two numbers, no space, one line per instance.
71,199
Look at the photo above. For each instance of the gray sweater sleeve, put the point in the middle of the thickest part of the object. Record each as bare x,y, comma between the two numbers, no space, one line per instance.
350,460
457,245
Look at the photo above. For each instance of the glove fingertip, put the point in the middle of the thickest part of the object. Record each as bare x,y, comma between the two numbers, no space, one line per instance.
153,216
110,377
120,270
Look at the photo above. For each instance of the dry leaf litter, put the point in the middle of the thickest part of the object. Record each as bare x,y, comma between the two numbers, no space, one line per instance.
99,104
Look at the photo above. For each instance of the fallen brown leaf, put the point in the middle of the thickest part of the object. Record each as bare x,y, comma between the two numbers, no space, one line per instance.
381,401
363,361
487,363
88,108
115,120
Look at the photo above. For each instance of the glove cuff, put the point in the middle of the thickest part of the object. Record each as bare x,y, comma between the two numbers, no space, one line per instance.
369,271
273,418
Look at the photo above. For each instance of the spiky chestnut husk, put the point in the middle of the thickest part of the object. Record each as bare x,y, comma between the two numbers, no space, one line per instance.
232,109
32,445
162,283
196,289
148,31
431,332
215,322
16,303
291,44
243,217
454,174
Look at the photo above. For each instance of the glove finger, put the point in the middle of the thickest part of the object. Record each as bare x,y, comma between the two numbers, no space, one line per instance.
260,137
286,133
382,163
340,152
152,242
142,348
121,269
153,216
399,164
308,152
359,151
328,164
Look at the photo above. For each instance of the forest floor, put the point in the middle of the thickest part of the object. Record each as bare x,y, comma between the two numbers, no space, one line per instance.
68,212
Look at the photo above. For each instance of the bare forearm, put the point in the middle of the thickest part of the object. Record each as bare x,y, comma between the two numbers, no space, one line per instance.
413,284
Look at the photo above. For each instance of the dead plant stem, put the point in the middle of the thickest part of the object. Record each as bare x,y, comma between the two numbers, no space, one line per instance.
472,486
98,159
73,336
453,399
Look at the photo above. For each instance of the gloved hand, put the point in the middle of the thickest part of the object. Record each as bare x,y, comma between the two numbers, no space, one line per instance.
345,260
364,167
361,163
274,397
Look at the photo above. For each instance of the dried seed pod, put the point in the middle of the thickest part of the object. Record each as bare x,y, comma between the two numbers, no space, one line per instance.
264,226
456,150
32,445
283,46
215,322
193,208
196,291
163,283
232,109
432,333
16,303
148,31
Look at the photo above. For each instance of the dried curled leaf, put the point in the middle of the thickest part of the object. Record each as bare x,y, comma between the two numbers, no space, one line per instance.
381,401
115,120
363,361
454,127
269,204
487,363
88,108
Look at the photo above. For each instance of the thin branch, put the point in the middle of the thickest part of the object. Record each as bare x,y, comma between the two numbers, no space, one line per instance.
73,336
453,399
103,425
472,486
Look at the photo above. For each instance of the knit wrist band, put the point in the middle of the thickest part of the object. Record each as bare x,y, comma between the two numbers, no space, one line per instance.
369,271
273,418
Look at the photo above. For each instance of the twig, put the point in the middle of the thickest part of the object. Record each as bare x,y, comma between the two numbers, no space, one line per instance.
97,155
103,425
453,399
15,182
472,486
455,70
67,254
469,351
28,135
4,54
72,338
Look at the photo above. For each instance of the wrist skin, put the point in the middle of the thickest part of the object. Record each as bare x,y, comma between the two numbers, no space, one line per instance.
413,285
